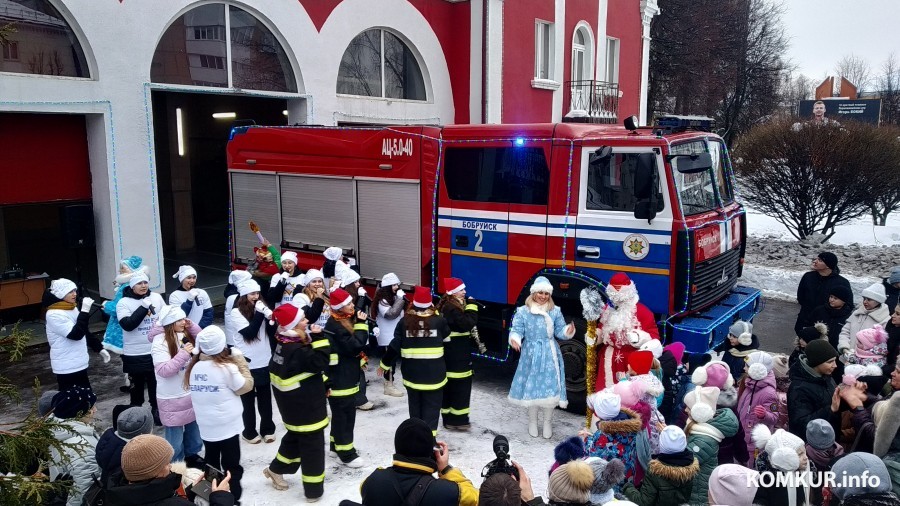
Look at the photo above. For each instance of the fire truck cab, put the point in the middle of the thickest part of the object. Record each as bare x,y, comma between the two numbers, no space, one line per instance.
498,205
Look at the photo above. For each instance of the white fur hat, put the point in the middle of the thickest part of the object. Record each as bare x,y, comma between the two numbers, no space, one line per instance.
782,447
61,287
653,346
289,255
702,402
759,363
170,314
541,284
390,279
183,272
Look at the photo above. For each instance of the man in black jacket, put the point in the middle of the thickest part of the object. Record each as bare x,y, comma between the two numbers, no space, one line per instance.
816,285
418,457
813,393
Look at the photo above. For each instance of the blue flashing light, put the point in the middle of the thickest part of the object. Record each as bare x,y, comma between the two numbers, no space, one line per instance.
684,122
238,130
520,142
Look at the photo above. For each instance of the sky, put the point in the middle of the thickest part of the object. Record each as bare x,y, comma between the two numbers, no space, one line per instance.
823,31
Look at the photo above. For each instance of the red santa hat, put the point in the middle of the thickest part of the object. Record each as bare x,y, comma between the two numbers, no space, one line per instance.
422,297
640,361
619,280
288,316
453,285
339,298
621,290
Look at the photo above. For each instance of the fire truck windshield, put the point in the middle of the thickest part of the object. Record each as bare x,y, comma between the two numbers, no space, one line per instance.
697,192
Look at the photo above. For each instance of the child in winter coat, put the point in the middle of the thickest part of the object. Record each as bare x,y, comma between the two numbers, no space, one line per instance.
655,347
567,450
132,422
74,410
871,347
781,452
617,432
757,398
690,363
782,382
607,474
740,342
669,479
822,451
718,374
639,363
706,428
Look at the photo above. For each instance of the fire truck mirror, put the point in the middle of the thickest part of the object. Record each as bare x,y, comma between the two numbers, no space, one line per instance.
601,154
692,164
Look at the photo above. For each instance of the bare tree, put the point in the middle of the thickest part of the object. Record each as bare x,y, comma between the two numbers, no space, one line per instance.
856,70
889,89
812,178
794,88
885,197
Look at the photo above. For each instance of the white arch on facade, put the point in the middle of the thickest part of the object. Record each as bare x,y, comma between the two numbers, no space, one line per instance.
353,17
590,47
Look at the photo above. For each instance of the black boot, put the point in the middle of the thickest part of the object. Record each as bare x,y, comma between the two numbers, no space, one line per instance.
195,462
156,420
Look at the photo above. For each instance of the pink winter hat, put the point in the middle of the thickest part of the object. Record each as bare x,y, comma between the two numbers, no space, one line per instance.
867,339
677,350
630,391
714,374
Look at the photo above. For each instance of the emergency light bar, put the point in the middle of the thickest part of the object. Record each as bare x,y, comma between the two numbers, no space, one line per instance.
675,123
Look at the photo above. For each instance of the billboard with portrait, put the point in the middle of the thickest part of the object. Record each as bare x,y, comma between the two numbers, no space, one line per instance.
867,111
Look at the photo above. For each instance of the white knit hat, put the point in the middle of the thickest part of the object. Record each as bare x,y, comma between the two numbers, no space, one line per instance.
541,284
653,346
672,440
170,314
333,253
605,404
311,275
289,255
61,287
390,279
138,278
348,277
702,402
211,340
875,291
237,276
743,331
759,364
782,447
183,272
248,287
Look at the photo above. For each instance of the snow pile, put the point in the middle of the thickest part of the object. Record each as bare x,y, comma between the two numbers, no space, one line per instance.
775,261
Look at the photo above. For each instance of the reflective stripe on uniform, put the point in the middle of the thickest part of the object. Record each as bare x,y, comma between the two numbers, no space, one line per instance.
291,383
381,365
319,343
333,359
459,375
345,392
454,411
460,334
421,386
423,353
361,326
313,479
472,307
282,458
343,448
307,428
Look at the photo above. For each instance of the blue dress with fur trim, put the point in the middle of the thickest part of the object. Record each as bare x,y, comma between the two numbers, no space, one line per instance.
112,339
540,378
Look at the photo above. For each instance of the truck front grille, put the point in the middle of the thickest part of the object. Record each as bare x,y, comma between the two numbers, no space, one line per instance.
713,278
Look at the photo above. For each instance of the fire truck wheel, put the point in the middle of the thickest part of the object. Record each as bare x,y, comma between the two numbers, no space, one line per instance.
574,354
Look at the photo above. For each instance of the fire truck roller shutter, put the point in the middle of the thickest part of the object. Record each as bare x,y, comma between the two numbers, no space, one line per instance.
253,197
308,207
389,229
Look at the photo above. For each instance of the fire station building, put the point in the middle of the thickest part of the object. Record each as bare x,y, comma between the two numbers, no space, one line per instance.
114,114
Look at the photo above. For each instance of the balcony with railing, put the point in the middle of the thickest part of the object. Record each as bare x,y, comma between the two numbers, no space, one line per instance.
591,102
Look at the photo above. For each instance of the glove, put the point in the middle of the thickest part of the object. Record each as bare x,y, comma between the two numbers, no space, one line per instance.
261,307
275,280
146,302
401,293
361,292
86,304
376,332
759,411
192,294
105,355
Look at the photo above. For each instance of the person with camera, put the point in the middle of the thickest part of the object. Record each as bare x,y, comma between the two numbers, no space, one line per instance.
462,316
419,339
348,333
174,338
148,478
409,480
68,334
505,482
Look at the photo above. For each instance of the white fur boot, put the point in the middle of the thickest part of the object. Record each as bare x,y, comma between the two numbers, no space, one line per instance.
548,423
532,421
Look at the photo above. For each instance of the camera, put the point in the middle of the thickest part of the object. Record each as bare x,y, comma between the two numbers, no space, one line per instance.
502,464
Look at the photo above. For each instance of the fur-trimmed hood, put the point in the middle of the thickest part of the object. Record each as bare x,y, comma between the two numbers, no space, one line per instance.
629,426
886,431
677,474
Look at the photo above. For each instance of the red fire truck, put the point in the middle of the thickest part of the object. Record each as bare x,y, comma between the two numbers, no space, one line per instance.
498,205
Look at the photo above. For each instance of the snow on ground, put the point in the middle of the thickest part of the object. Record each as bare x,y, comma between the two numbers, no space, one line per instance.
374,438
775,261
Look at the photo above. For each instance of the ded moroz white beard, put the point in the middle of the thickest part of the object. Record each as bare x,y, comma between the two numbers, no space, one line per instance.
616,322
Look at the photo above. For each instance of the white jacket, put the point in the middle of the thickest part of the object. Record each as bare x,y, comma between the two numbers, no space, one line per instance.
259,351
66,355
135,342
229,322
78,463
861,319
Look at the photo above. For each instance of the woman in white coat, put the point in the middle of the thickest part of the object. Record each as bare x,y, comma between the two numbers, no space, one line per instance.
68,334
873,311
193,301
137,313
388,306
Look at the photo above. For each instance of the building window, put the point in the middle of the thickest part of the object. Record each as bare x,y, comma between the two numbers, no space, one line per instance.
543,50
11,51
48,46
194,51
518,175
378,64
612,60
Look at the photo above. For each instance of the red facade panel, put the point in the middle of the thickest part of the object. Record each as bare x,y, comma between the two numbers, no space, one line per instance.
43,157
579,10
521,102
624,23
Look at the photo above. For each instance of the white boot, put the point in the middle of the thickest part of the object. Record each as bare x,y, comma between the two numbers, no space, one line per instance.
548,423
390,389
532,421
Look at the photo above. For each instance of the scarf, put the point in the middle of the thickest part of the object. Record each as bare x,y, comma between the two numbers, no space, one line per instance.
822,458
683,458
289,336
65,306
706,429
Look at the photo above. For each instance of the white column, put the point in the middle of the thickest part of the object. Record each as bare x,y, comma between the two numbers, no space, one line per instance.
649,8
494,62
561,47
476,59
600,67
